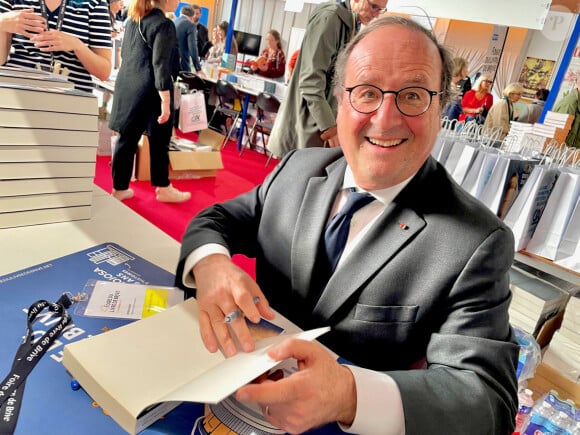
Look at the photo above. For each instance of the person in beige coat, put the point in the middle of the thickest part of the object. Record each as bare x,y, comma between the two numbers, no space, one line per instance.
501,113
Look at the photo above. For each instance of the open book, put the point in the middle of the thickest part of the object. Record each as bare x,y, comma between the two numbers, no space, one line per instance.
139,372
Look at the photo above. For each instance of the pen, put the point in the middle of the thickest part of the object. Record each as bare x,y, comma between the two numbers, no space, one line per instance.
229,318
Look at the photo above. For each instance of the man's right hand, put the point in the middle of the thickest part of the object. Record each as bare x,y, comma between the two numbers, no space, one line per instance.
222,288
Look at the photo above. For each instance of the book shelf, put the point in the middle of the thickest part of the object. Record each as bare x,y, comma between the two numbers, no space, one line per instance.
548,266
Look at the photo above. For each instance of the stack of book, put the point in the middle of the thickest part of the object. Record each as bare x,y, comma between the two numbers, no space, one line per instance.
535,300
559,120
517,136
48,140
555,128
563,353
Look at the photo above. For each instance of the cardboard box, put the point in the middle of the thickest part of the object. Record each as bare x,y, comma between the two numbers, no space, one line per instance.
547,378
184,164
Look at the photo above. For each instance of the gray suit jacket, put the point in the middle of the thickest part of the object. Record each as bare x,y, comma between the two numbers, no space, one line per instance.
428,284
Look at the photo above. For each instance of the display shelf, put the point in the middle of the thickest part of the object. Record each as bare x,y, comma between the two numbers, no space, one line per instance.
548,266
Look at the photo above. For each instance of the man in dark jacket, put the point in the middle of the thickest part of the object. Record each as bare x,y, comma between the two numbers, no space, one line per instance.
187,39
203,42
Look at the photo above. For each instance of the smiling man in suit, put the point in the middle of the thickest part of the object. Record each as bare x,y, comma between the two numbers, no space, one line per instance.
419,299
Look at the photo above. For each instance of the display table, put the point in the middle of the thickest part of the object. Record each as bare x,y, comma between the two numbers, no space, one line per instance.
44,261
111,221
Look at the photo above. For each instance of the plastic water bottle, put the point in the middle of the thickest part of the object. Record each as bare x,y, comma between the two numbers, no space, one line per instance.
526,403
562,423
540,416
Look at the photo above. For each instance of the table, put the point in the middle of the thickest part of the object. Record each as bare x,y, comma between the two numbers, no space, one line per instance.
50,406
111,221
48,397
247,94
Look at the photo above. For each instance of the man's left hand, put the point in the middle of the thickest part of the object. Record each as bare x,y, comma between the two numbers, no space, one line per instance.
320,392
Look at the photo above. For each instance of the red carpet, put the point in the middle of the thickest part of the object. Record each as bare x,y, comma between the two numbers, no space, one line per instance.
239,175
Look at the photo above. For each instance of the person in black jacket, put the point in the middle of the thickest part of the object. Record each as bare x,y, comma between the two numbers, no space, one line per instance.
143,100
203,42
187,39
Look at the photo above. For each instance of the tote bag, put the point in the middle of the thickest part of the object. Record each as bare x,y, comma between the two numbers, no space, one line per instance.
568,252
464,161
480,171
527,209
192,114
508,176
556,216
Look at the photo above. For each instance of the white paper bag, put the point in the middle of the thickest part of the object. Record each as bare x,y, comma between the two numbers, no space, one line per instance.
556,216
527,209
464,162
454,154
507,178
480,171
568,252
192,114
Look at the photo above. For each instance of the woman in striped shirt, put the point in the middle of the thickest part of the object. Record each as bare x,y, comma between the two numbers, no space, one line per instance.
71,36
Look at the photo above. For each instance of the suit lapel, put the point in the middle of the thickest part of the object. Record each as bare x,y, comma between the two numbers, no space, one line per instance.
316,204
392,230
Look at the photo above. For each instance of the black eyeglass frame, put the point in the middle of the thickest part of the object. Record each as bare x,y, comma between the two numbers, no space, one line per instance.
375,8
396,94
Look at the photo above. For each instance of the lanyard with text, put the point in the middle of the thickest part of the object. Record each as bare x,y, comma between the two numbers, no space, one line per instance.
27,356
59,20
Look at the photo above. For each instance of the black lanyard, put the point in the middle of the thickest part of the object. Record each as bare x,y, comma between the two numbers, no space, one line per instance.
60,19
27,356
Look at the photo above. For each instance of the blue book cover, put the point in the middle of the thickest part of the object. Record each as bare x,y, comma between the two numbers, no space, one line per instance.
50,406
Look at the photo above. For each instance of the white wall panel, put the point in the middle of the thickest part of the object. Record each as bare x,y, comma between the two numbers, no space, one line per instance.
259,16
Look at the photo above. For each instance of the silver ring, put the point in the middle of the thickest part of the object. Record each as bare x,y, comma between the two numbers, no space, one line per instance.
267,410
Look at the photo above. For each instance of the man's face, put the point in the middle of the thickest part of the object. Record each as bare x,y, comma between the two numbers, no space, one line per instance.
385,147
368,9
196,15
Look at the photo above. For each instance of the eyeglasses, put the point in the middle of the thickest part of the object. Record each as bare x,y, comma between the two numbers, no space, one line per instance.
376,8
487,81
411,101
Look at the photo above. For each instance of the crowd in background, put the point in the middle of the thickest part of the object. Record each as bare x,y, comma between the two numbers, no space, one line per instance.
477,103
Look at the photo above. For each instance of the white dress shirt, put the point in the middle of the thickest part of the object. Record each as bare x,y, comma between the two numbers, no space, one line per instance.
379,405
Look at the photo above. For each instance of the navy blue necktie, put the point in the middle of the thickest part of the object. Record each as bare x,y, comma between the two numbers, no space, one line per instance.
336,234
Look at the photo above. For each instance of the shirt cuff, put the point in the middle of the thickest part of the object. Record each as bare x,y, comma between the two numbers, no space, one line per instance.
196,256
378,404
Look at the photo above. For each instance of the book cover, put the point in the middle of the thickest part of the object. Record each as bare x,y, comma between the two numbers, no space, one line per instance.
33,186
45,98
52,120
45,136
48,391
162,359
